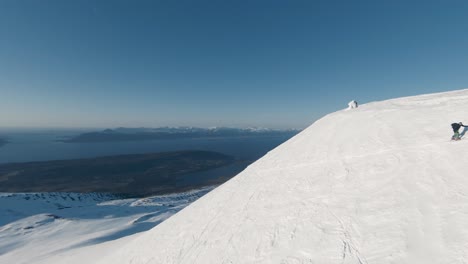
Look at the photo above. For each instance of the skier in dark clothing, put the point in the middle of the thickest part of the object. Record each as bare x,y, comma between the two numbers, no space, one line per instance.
456,127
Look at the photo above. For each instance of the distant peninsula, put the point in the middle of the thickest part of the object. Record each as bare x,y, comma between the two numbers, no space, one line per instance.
141,134
138,175
3,142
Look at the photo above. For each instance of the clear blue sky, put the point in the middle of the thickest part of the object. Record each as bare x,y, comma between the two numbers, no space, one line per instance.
67,63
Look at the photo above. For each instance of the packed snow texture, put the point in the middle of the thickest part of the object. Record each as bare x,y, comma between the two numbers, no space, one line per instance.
380,184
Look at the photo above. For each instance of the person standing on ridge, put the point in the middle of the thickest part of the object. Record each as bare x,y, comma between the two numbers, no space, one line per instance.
456,128
353,104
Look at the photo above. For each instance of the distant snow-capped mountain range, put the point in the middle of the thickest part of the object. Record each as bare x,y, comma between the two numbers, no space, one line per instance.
139,134
186,129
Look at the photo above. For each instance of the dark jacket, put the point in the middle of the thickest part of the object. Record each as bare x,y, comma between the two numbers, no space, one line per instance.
456,127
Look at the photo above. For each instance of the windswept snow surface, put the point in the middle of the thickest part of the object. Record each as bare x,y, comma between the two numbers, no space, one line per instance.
75,228
378,184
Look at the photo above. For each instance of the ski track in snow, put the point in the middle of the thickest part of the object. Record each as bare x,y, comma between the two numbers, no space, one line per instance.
378,184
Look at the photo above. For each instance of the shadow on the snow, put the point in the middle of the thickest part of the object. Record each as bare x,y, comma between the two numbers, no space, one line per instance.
137,226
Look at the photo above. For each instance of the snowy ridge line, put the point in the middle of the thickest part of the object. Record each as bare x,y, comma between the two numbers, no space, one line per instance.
72,196
102,197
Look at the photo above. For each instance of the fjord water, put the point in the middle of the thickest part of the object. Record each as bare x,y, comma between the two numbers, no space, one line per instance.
25,146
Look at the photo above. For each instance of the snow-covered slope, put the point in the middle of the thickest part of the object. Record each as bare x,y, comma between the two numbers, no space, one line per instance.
378,184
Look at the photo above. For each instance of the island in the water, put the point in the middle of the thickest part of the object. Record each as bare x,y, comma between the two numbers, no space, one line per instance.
139,134
137,175
3,142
